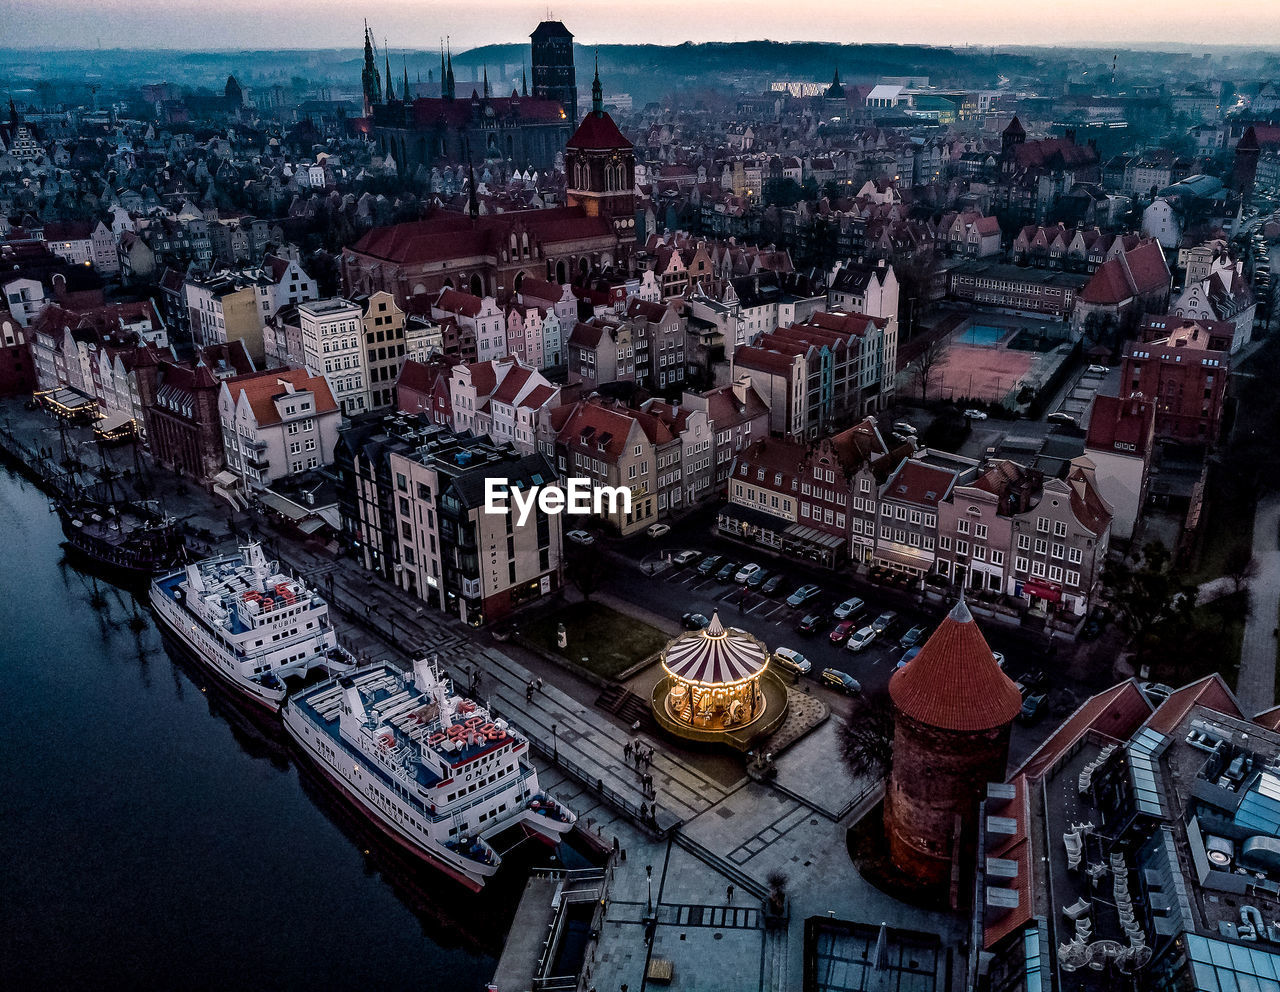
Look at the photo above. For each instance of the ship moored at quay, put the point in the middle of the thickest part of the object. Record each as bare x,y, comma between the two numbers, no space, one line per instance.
433,769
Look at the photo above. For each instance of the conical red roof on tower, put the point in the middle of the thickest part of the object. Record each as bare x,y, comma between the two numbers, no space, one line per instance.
954,682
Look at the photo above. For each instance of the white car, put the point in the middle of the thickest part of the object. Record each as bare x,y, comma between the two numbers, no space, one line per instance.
684,557
902,427
850,607
975,415
859,639
793,660
580,537
745,572
658,530
1099,369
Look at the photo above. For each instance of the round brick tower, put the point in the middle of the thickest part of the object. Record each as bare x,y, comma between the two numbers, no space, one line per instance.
953,708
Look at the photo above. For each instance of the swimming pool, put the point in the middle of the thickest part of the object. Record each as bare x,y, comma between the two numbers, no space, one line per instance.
982,336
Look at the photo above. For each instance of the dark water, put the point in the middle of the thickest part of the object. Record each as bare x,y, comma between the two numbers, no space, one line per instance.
156,835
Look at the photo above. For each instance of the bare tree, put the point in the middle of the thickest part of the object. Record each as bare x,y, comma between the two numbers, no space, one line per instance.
1240,566
866,738
926,363
585,566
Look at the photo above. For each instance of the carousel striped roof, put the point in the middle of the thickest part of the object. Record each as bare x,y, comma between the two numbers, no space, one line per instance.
715,656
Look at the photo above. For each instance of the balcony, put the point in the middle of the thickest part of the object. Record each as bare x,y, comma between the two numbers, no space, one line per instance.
258,462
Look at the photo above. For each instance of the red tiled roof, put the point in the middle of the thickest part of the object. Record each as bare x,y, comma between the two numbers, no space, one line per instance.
540,289
262,388
916,482
512,383
751,357
1116,712
584,417
1147,266
954,682
483,377
1108,286
456,301
1127,422
1086,504
538,396
1209,691
598,131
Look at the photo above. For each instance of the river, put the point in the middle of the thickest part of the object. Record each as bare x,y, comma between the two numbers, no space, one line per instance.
159,836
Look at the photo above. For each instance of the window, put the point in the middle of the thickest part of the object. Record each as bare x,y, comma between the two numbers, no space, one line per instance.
1057,550
1019,564
997,557
1059,528
902,513
1074,556
944,543
980,531
1041,545
1037,569
1055,573
1073,579
962,526
885,533
962,547
1042,524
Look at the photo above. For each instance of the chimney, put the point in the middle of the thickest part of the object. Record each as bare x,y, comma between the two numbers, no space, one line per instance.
740,387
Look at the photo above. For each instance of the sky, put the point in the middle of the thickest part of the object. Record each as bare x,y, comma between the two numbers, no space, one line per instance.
259,24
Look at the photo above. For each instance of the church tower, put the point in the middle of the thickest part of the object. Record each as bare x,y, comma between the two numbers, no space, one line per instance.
554,77
370,83
953,708
600,167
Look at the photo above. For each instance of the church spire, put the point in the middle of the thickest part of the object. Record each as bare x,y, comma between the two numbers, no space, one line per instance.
404,93
387,56
442,67
449,81
524,82
597,92
486,82
369,81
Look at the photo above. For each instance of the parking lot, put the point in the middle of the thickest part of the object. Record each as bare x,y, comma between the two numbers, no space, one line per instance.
675,590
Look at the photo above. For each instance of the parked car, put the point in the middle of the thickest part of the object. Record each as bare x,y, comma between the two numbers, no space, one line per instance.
684,557
843,681
1034,707
580,537
792,660
727,571
1062,418
881,623
810,624
851,607
658,530
757,579
906,656
694,621
860,638
745,572
975,414
1099,369
709,564
803,594
842,631
902,427
914,636
771,584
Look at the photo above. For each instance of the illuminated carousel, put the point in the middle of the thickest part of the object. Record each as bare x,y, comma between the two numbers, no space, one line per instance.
717,687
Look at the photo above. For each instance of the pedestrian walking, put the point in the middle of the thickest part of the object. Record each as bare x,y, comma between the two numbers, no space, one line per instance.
627,752
528,693
644,812
728,894
539,685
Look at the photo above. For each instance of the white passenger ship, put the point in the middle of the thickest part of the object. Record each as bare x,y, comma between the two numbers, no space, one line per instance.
431,768
249,622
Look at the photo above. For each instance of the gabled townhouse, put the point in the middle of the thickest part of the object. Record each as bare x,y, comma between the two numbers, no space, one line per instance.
384,344
1224,296
502,398
975,526
480,315
810,499
1060,546
276,423
907,536
423,388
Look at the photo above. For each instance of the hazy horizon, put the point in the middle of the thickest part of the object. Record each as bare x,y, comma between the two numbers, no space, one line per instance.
221,25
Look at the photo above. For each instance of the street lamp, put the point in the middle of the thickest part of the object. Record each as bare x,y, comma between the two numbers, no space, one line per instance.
555,745
648,872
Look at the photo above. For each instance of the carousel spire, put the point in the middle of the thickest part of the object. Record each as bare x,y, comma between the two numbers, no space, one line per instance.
715,628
